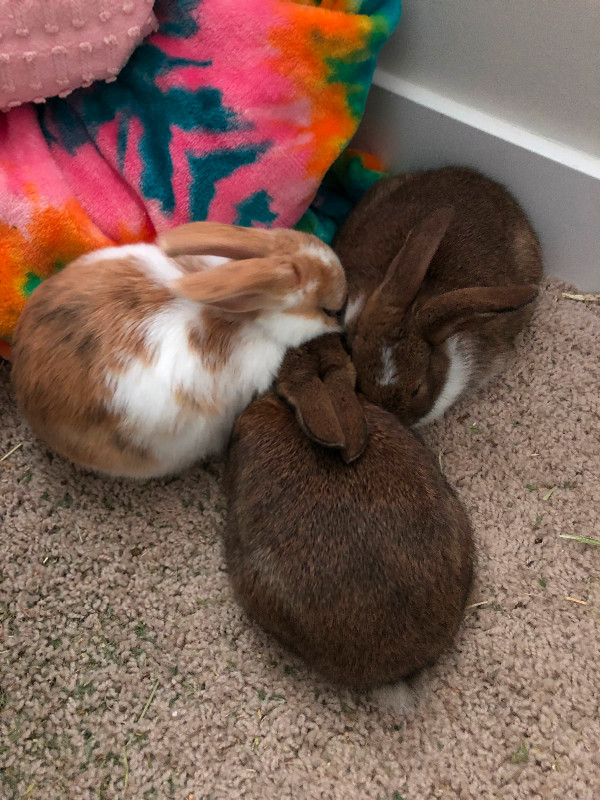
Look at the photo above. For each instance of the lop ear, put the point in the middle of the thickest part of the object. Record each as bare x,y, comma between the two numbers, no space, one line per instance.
216,239
465,309
318,381
407,270
240,286
349,411
314,410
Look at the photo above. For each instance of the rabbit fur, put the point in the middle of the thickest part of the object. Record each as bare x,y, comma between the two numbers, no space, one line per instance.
135,360
343,539
442,268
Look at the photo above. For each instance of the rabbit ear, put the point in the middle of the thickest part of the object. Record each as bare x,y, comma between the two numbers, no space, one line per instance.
327,409
464,309
241,286
217,239
314,410
349,412
407,270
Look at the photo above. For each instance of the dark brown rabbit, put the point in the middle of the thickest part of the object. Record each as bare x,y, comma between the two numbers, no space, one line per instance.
362,563
442,269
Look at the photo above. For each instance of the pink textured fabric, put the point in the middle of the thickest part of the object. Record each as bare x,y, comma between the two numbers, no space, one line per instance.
50,47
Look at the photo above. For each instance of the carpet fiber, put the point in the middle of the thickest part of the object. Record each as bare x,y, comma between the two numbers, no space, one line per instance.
127,670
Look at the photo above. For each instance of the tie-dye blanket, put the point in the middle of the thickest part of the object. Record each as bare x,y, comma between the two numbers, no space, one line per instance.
233,110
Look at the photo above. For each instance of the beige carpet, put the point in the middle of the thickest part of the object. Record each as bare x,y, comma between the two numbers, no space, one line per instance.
128,671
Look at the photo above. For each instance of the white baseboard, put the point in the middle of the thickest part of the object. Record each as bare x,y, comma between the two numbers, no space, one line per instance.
410,127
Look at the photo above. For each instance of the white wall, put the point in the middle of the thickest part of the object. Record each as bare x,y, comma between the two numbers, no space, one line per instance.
535,63
510,87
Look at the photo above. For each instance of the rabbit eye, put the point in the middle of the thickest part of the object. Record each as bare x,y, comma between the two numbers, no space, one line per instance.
329,312
417,390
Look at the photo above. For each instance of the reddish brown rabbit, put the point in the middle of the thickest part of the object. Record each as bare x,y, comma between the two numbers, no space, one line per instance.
442,268
135,360
363,568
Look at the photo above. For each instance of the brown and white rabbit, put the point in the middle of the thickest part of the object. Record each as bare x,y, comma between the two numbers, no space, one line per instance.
362,568
442,267
135,360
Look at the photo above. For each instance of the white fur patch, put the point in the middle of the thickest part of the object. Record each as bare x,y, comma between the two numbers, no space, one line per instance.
459,374
139,252
354,309
145,394
389,373
295,298
321,251
151,260
147,257
295,329
214,261
399,698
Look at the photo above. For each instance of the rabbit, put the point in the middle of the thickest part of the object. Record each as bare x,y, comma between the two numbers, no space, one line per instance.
134,361
343,539
442,268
